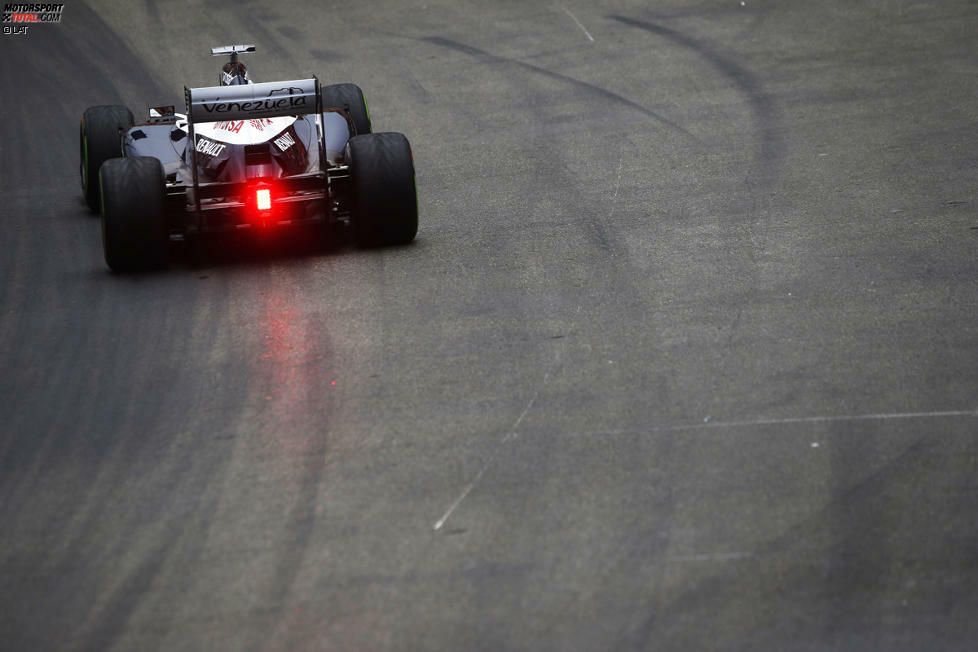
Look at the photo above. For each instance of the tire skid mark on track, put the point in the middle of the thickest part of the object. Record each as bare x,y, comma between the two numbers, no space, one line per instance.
270,41
611,251
103,630
75,81
754,11
106,415
602,238
604,241
619,280
767,118
292,340
120,442
63,46
816,532
768,156
598,227
489,579
590,88
77,77
19,324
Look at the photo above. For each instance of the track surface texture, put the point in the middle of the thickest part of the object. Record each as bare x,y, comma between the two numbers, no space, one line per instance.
685,355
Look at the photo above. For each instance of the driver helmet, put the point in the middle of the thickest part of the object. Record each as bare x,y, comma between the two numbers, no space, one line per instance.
234,74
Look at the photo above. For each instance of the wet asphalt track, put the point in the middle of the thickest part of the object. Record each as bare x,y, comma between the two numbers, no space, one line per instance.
685,355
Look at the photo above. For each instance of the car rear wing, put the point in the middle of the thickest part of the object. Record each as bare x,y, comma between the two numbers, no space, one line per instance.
253,101
250,102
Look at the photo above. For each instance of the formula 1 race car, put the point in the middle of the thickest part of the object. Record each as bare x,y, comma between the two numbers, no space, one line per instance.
245,156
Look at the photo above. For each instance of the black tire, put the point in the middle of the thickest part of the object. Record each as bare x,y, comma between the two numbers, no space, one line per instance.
350,98
385,198
99,140
134,230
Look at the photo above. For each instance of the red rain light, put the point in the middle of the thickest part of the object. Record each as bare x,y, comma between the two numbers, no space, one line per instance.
263,199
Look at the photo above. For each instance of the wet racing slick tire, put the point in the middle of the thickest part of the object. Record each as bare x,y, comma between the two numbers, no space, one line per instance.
350,98
134,229
100,139
385,198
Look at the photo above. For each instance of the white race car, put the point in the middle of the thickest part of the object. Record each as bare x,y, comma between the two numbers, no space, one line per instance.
244,156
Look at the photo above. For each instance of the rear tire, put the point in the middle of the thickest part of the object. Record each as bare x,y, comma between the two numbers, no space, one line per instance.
350,98
134,230
100,139
385,198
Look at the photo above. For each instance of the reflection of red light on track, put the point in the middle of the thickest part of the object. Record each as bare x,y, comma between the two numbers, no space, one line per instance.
263,199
